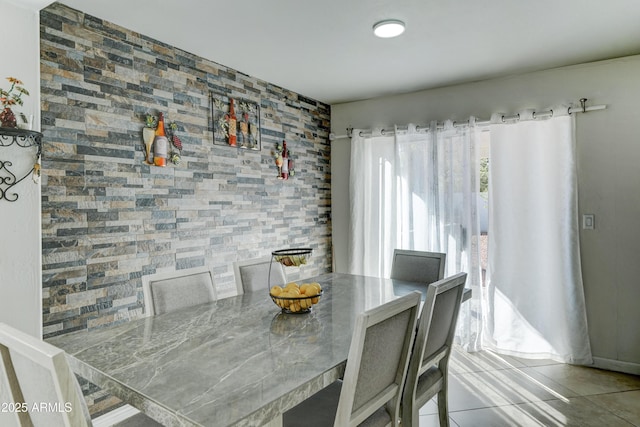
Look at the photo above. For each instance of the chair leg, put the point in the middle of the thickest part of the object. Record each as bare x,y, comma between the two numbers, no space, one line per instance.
443,407
409,414
414,421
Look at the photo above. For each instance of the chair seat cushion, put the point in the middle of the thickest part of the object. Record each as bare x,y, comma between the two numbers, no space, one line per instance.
138,420
318,410
429,381
380,418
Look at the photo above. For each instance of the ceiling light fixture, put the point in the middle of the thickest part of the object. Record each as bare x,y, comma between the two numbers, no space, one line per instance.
388,28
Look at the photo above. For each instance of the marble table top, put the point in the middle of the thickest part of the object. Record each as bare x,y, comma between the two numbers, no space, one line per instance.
237,361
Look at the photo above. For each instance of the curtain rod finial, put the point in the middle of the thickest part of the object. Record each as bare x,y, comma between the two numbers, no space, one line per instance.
583,104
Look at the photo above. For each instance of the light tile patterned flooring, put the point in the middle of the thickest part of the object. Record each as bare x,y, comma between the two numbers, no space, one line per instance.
487,389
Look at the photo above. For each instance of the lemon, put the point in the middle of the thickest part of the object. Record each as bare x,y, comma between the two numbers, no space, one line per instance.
294,292
276,290
311,291
284,294
314,289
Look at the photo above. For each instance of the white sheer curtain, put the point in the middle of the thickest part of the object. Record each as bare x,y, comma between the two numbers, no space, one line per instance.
418,190
372,191
536,297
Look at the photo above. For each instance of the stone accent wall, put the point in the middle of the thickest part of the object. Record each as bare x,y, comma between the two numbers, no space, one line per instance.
108,218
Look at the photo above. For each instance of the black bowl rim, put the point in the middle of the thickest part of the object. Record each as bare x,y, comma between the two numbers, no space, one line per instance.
298,297
292,251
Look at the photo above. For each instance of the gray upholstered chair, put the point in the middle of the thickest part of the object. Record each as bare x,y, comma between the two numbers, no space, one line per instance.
418,266
253,275
167,292
375,373
35,373
429,363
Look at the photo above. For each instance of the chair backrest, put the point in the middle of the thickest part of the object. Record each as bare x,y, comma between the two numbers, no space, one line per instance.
35,377
436,329
167,292
378,360
418,266
253,275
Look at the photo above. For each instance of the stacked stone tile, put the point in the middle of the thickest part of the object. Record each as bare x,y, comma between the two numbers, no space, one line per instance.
108,218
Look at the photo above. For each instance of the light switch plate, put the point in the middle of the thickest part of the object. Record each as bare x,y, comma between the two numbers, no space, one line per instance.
588,222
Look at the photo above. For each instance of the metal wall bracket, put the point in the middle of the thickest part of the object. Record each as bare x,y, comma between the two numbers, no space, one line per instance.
24,139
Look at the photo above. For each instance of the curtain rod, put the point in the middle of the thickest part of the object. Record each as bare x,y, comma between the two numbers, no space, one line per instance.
514,117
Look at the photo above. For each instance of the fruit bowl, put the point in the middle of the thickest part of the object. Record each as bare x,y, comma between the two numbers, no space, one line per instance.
292,257
296,299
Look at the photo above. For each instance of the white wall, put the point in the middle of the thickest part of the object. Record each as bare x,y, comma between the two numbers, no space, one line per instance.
20,249
608,176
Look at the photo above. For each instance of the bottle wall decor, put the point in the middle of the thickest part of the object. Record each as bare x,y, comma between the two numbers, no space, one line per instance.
161,144
235,122
283,161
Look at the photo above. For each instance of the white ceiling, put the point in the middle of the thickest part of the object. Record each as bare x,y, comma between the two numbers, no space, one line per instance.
326,50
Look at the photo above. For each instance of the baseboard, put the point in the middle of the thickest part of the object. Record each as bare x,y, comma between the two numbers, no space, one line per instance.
115,416
616,365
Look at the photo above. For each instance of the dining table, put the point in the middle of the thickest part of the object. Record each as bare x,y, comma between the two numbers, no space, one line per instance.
237,361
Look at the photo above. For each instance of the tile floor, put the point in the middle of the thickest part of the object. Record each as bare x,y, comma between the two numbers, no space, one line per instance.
487,389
